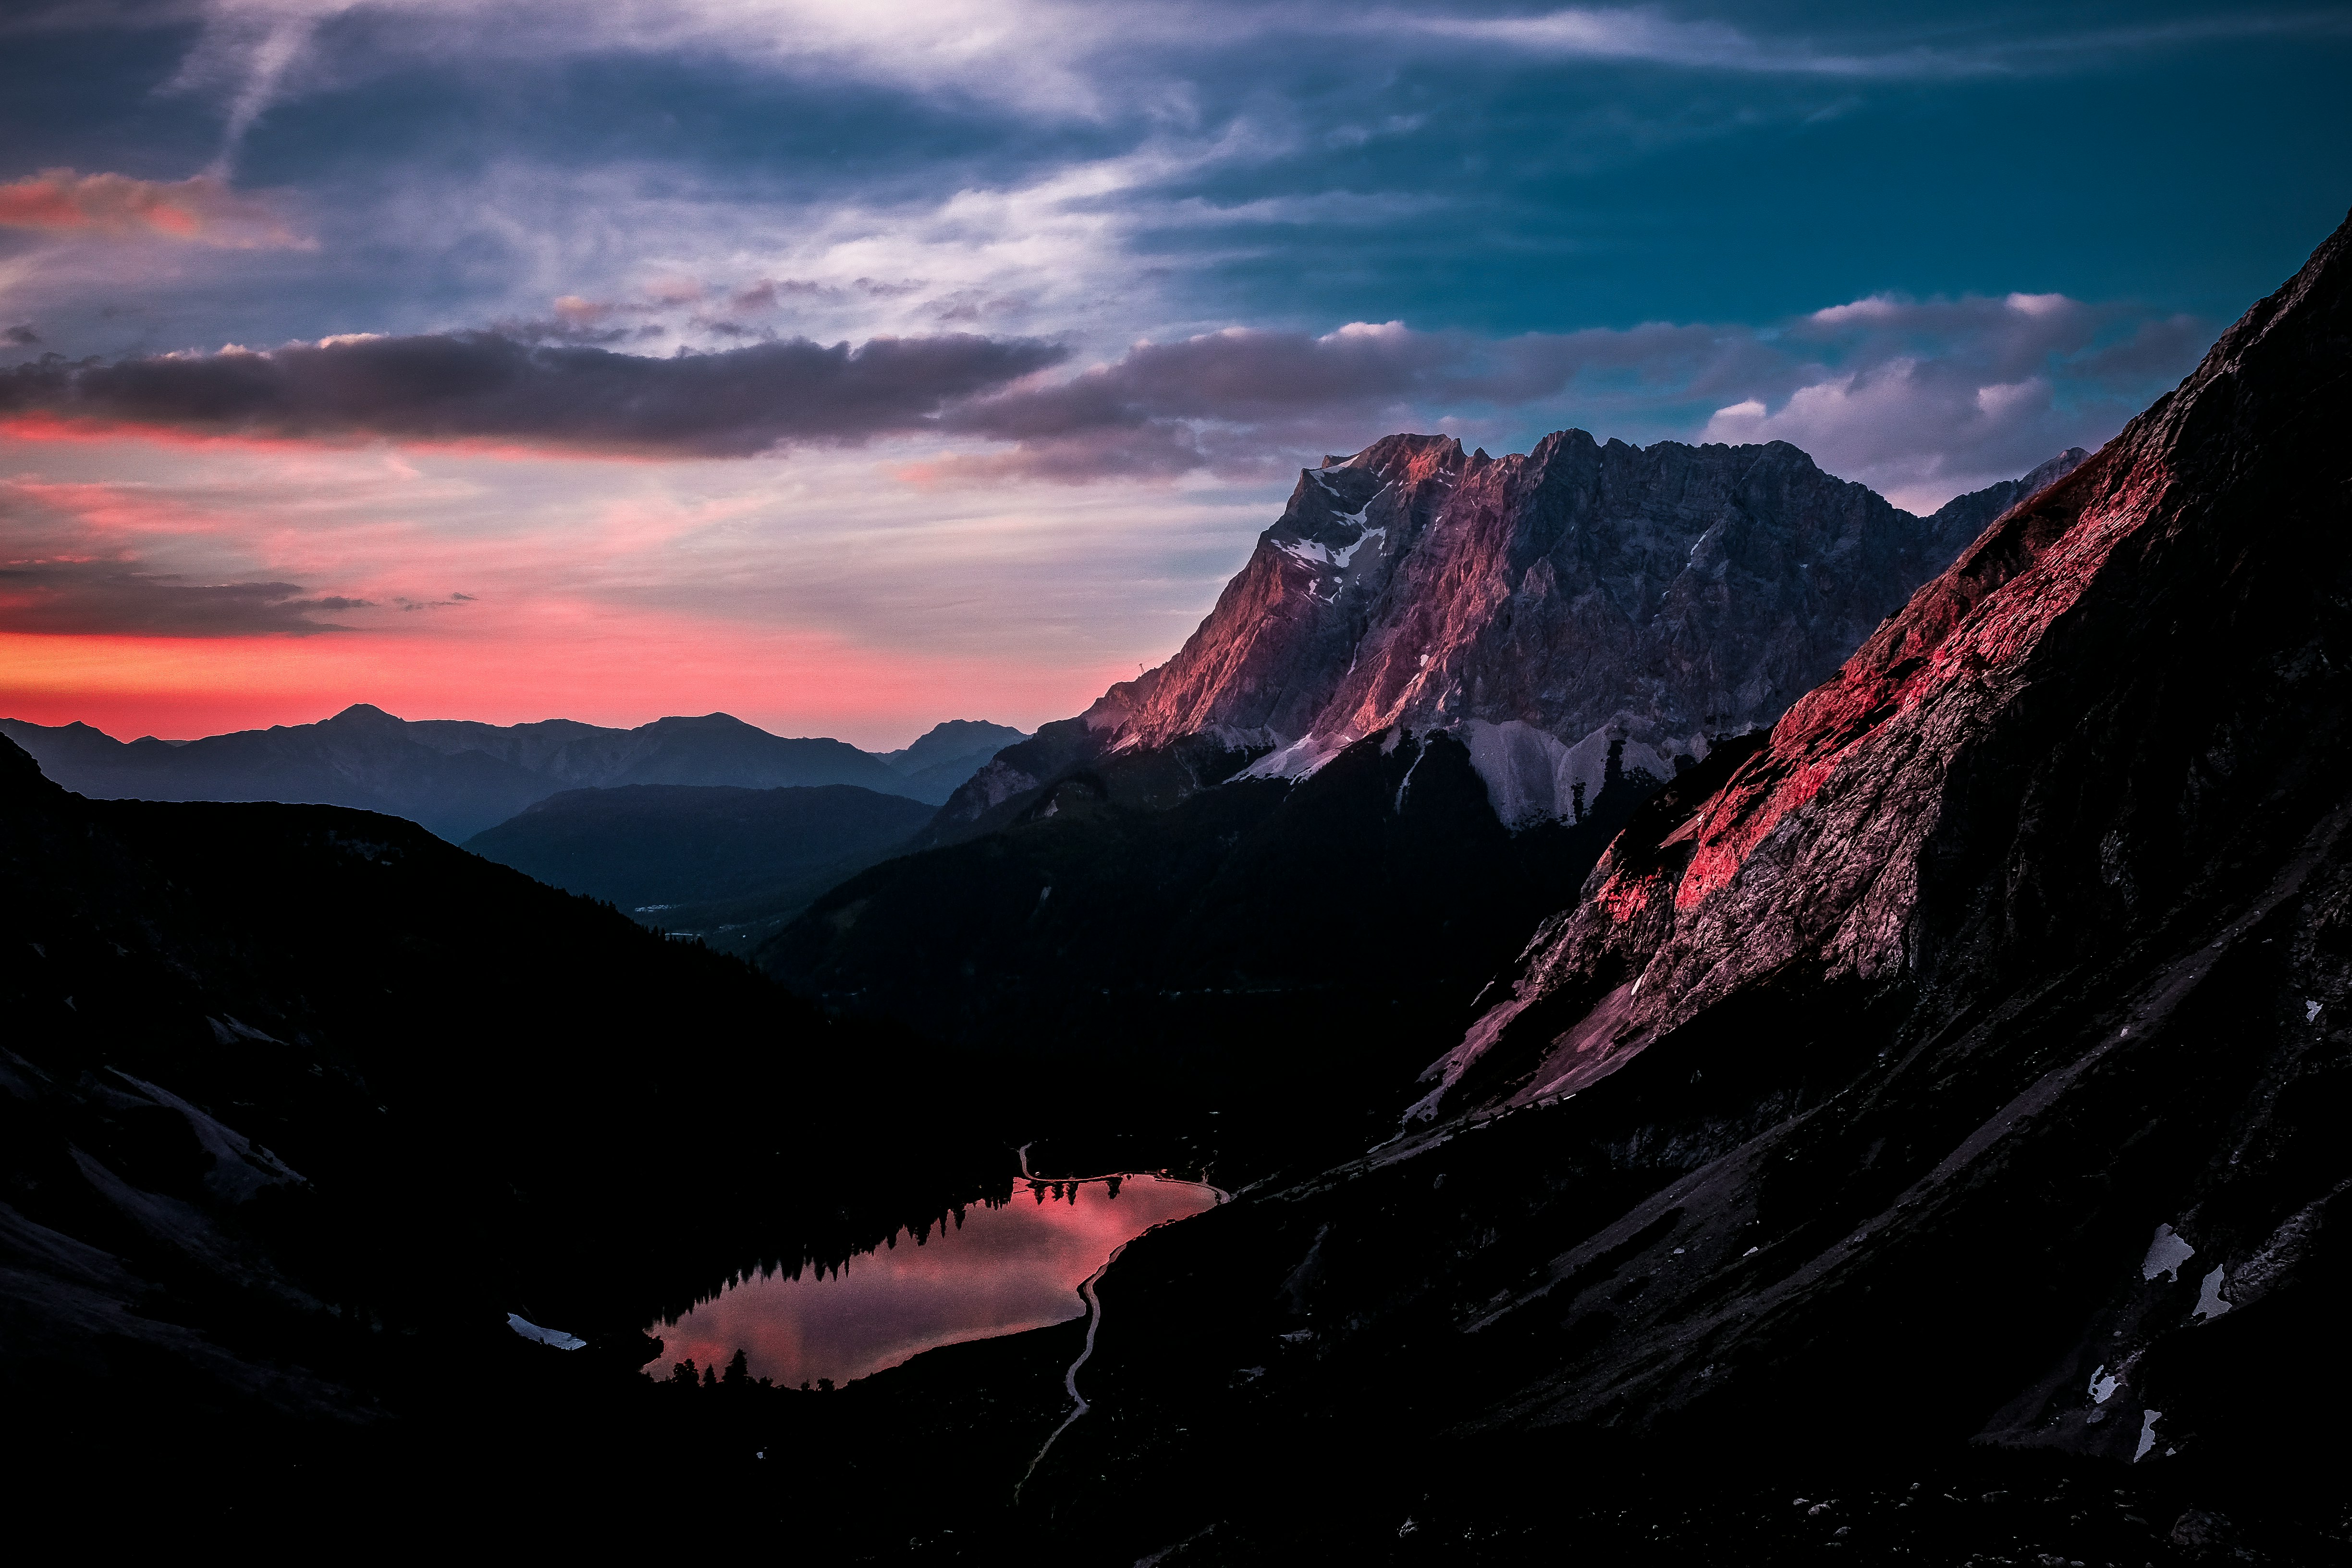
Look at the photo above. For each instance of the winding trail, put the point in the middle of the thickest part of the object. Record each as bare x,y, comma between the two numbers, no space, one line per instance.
1078,1406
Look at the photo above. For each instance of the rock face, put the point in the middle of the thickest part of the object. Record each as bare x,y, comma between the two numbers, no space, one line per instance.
1962,1060
1545,607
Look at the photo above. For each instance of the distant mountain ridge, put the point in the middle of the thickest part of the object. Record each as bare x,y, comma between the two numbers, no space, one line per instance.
937,764
1552,609
725,864
456,776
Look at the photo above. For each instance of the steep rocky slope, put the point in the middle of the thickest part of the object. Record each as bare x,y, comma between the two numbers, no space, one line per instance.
1960,1062
1546,607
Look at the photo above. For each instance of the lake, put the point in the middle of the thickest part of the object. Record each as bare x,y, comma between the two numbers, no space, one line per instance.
1003,1269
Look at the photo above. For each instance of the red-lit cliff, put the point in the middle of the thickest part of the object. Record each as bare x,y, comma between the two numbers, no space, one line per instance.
1547,608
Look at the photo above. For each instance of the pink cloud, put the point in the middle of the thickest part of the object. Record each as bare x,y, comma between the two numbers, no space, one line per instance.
201,209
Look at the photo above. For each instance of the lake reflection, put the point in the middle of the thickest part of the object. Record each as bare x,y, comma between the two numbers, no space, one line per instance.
1005,1269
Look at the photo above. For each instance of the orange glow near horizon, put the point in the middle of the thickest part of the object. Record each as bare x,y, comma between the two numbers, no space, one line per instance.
791,683
809,595
85,431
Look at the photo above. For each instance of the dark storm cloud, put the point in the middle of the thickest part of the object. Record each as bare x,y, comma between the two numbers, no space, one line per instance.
562,330
1242,400
124,599
487,386
1884,388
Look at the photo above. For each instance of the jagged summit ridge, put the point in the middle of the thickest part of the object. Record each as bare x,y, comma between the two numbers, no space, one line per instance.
1552,608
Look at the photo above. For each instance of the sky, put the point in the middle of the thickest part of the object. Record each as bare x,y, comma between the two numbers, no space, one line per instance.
852,367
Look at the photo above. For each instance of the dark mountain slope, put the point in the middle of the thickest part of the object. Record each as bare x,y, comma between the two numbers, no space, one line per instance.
362,757
1966,1064
1594,619
696,857
297,1103
715,749
455,776
1263,949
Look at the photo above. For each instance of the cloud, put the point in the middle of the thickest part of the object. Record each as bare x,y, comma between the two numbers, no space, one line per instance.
1243,401
1067,59
1922,399
1643,35
1919,399
1595,33
1903,394
1223,400
202,210
973,305
253,54
21,335
488,387
82,597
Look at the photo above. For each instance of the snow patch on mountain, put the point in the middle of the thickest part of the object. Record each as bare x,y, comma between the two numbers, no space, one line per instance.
1300,758
1532,775
1315,553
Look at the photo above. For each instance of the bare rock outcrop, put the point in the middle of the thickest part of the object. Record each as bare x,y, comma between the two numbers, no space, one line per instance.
1548,608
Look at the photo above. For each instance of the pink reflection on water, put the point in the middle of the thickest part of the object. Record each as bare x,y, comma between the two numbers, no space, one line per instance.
1006,1270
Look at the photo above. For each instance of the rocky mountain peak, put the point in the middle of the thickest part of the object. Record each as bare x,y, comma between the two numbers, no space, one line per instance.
1554,608
951,739
363,714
